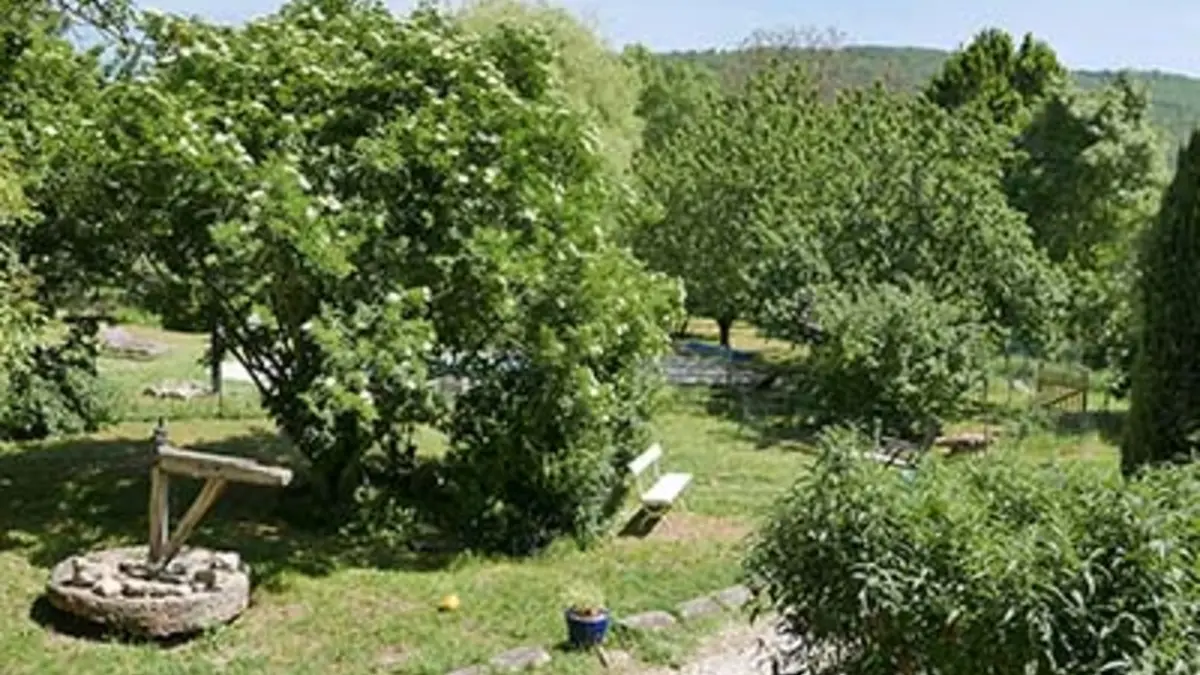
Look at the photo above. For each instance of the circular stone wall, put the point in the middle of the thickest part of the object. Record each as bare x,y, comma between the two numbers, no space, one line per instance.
198,589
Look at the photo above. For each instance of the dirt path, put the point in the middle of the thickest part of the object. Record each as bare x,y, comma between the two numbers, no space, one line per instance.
738,650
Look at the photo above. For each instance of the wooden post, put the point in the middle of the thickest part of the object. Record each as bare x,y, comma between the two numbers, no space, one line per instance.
1087,384
217,347
160,512
160,501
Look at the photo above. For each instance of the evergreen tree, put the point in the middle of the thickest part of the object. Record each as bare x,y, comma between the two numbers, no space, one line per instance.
1165,415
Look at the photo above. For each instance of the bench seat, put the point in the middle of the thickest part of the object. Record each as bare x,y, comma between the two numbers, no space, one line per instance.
665,490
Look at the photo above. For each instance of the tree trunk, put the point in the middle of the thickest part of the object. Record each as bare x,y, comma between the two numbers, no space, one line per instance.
682,330
725,325
218,356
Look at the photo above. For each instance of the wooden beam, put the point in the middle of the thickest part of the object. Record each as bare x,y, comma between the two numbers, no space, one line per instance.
204,501
206,466
160,512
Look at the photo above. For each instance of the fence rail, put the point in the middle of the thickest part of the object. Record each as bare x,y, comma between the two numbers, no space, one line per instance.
1062,389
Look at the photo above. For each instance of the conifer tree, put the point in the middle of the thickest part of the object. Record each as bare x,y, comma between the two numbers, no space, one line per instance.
1165,413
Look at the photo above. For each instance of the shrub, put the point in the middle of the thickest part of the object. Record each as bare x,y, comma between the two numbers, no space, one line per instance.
981,567
898,356
56,390
540,440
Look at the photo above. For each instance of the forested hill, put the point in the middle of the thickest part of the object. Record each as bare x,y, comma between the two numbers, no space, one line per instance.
1175,98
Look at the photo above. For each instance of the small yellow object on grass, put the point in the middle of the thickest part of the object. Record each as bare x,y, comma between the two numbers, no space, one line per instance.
449,603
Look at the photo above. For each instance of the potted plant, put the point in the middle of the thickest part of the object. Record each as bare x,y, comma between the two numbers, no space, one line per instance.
587,617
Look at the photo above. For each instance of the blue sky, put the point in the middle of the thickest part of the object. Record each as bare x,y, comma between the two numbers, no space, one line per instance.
1087,34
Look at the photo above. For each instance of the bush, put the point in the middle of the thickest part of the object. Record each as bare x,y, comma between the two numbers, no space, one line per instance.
898,356
56,390
985,567
540,439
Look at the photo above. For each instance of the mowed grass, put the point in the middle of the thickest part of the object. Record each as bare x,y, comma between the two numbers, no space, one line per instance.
182,361
325,605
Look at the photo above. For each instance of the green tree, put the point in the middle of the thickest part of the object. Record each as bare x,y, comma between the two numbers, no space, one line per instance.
715,180
45,87
994,75
1085,169
47,91
897,191
597,82
1089,179
367,204
1090,173
673,94
1164,417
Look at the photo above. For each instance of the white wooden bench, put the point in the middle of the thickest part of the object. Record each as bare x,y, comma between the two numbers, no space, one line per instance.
666,488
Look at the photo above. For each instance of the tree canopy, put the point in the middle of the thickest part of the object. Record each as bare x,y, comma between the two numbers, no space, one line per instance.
596,81
997,76
365,202
769,193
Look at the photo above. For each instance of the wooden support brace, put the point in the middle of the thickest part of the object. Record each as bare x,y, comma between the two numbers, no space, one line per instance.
208,496
215,470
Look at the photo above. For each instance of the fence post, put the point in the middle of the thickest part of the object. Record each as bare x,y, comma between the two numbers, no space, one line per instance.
1087,386
1008,376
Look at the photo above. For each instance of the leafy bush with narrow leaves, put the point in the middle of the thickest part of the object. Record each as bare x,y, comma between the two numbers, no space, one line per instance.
978,567
902,357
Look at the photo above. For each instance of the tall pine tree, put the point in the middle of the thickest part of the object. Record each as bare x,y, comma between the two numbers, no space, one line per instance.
1165,414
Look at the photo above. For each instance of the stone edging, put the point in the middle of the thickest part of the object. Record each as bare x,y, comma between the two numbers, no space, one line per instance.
525,658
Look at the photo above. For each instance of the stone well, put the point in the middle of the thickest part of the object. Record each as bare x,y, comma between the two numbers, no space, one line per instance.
197,590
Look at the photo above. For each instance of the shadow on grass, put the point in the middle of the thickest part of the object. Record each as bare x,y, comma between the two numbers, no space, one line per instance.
1110,424
641,525
70,497
768,416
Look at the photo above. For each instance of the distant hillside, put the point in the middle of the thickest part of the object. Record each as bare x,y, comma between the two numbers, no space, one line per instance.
1175,99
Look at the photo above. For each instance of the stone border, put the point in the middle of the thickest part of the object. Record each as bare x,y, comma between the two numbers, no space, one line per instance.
520,659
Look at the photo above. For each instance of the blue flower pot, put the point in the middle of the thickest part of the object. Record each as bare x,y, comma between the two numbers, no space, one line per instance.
586,631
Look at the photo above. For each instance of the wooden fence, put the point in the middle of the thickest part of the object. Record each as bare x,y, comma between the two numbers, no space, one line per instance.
1064,389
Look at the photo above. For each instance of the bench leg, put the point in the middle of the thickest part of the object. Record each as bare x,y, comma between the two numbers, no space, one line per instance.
653,513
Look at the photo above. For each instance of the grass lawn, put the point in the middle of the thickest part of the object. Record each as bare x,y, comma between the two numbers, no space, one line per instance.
323,606
182,361
742,336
